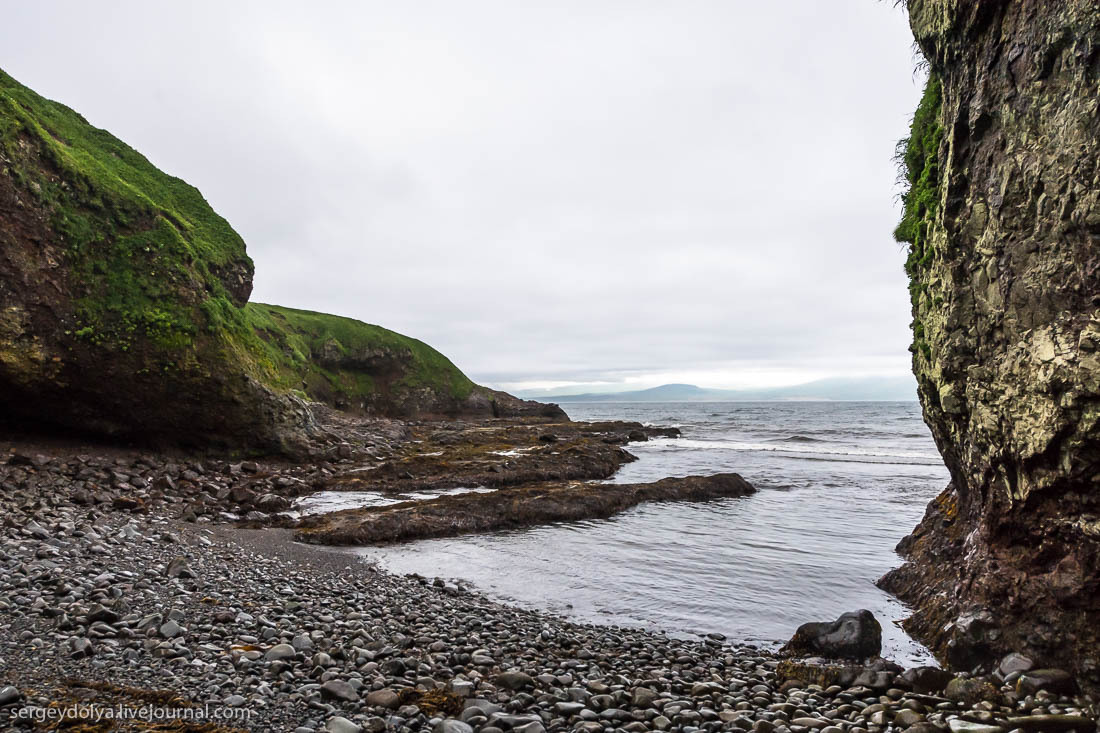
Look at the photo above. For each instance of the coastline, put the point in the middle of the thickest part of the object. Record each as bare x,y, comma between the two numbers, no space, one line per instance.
113,597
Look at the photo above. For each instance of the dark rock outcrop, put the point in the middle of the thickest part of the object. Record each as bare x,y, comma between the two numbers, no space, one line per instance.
1003,219
508,508
854,635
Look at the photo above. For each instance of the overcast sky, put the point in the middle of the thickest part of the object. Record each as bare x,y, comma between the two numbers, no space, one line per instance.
553,194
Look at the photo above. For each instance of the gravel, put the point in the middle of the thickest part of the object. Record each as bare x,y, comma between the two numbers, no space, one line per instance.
99,603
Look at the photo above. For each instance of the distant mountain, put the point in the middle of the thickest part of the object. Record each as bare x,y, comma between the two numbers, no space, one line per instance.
835,388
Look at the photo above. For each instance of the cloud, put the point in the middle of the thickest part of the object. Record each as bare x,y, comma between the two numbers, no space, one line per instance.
561,192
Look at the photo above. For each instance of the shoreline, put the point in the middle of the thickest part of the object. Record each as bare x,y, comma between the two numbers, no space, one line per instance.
109,595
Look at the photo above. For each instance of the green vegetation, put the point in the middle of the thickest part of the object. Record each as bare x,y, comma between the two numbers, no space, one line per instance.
134,237
341,359
918,158
156,280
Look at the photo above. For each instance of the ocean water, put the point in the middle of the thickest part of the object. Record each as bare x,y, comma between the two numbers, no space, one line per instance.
839,484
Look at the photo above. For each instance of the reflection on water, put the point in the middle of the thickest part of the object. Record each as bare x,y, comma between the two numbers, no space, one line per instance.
839,485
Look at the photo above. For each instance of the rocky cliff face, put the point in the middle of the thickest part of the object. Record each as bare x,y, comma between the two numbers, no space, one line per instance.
1003,221
123,308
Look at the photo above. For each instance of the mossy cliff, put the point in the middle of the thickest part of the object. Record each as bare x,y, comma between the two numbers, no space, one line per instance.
124,308
1002,217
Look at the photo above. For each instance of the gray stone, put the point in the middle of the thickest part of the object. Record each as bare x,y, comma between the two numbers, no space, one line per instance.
1014,663
170,629
179,568
9,695
339,690
279,652
965,726
384,698
1052,680
452,726
340,724
514,680
102,614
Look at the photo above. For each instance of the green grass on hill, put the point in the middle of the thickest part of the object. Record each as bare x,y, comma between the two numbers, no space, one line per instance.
152,270
321,353
135,238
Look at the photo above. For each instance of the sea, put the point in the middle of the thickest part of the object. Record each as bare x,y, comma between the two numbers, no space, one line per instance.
839,484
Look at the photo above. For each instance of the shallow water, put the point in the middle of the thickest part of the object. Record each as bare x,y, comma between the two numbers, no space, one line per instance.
323,502
839,485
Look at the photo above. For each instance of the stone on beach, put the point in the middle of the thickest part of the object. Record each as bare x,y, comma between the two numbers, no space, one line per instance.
854,635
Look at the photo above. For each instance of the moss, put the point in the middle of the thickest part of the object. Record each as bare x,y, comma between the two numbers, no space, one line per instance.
348,359
918,156
153,272
133,236
918,159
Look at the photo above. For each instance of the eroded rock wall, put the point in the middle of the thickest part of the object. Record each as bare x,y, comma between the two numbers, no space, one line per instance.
1005,271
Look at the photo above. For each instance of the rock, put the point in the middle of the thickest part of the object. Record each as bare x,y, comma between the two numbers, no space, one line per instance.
1052,680
1052,723
958,725
1014,663
129,504
339,690
878,680
384,698
854,635
528,506
374,724
906,718
971,690
927,680
179,568
272,503
102,614
1004,325
340,724
643,697
279,652
514,680
9,696
451,725
170,629
79,648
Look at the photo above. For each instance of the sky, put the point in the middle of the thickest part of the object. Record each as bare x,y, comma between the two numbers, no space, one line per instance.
590,195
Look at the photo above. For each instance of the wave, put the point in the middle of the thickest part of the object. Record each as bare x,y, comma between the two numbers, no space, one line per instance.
805,451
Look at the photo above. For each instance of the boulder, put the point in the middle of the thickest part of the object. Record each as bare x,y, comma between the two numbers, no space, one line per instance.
854,635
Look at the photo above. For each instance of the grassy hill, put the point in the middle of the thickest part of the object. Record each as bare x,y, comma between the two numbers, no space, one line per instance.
124,305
